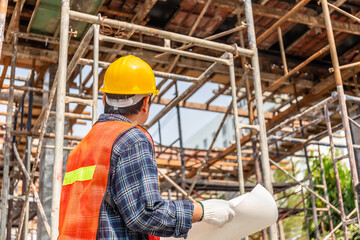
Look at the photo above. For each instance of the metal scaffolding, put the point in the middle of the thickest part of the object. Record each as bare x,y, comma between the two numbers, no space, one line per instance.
261,133
65,71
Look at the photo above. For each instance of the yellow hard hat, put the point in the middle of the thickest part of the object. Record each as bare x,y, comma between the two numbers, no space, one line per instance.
129,75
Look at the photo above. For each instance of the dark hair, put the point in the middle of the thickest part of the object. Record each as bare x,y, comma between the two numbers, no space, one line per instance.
132,110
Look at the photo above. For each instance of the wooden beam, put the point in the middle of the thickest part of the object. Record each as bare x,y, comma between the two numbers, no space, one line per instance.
3,10
25,52
142,13
25,13
6,65
195,67
33,15
121,13
318,91
312,21
219,92
282,20
41,74
279,82
277,13
292,45
15,18
205,107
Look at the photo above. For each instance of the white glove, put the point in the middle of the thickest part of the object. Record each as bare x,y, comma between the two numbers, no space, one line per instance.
218,212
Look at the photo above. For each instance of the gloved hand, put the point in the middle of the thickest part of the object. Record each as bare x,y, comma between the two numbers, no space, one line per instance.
217,211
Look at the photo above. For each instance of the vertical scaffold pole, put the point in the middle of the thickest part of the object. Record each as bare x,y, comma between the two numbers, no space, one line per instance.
336,171
342,101
182,155
259,107
311,183
236,123
95,73
60,118
7,145
28,168
305,214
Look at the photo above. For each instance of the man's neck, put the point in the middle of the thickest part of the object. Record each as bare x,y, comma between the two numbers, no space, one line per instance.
132,118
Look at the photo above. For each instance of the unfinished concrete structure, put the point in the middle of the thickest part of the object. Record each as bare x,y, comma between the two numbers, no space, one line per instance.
297,52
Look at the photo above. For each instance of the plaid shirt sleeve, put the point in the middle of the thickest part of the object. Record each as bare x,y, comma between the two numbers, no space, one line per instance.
136,192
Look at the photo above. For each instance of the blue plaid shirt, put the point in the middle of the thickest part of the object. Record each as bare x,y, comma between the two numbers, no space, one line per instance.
133,184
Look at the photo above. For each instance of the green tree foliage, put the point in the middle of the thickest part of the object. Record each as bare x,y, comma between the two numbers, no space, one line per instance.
347,193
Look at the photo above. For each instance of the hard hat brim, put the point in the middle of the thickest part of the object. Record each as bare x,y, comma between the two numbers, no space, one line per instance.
104,90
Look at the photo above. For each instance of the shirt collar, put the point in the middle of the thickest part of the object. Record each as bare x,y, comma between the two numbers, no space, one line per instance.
112,117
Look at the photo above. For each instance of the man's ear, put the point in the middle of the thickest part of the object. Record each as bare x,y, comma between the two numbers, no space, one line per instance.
145,107
104,99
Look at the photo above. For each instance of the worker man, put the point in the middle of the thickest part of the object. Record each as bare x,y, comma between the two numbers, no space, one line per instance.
110,189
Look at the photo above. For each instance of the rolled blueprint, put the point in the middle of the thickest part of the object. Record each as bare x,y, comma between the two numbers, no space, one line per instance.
254,211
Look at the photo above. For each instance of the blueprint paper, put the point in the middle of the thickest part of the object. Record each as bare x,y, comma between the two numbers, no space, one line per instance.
254,211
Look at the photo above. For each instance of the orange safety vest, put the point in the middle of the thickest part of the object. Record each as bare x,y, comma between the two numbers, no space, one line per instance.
85,181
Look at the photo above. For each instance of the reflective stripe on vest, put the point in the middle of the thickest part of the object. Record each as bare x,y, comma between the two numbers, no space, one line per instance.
80,174
85,181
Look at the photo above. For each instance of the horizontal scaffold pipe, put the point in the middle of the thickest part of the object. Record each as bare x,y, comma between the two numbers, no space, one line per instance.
160,33
352,99
105,65
272,139
312,109
163,49
47,135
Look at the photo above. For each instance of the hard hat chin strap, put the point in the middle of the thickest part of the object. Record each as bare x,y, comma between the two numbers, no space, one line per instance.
121,103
